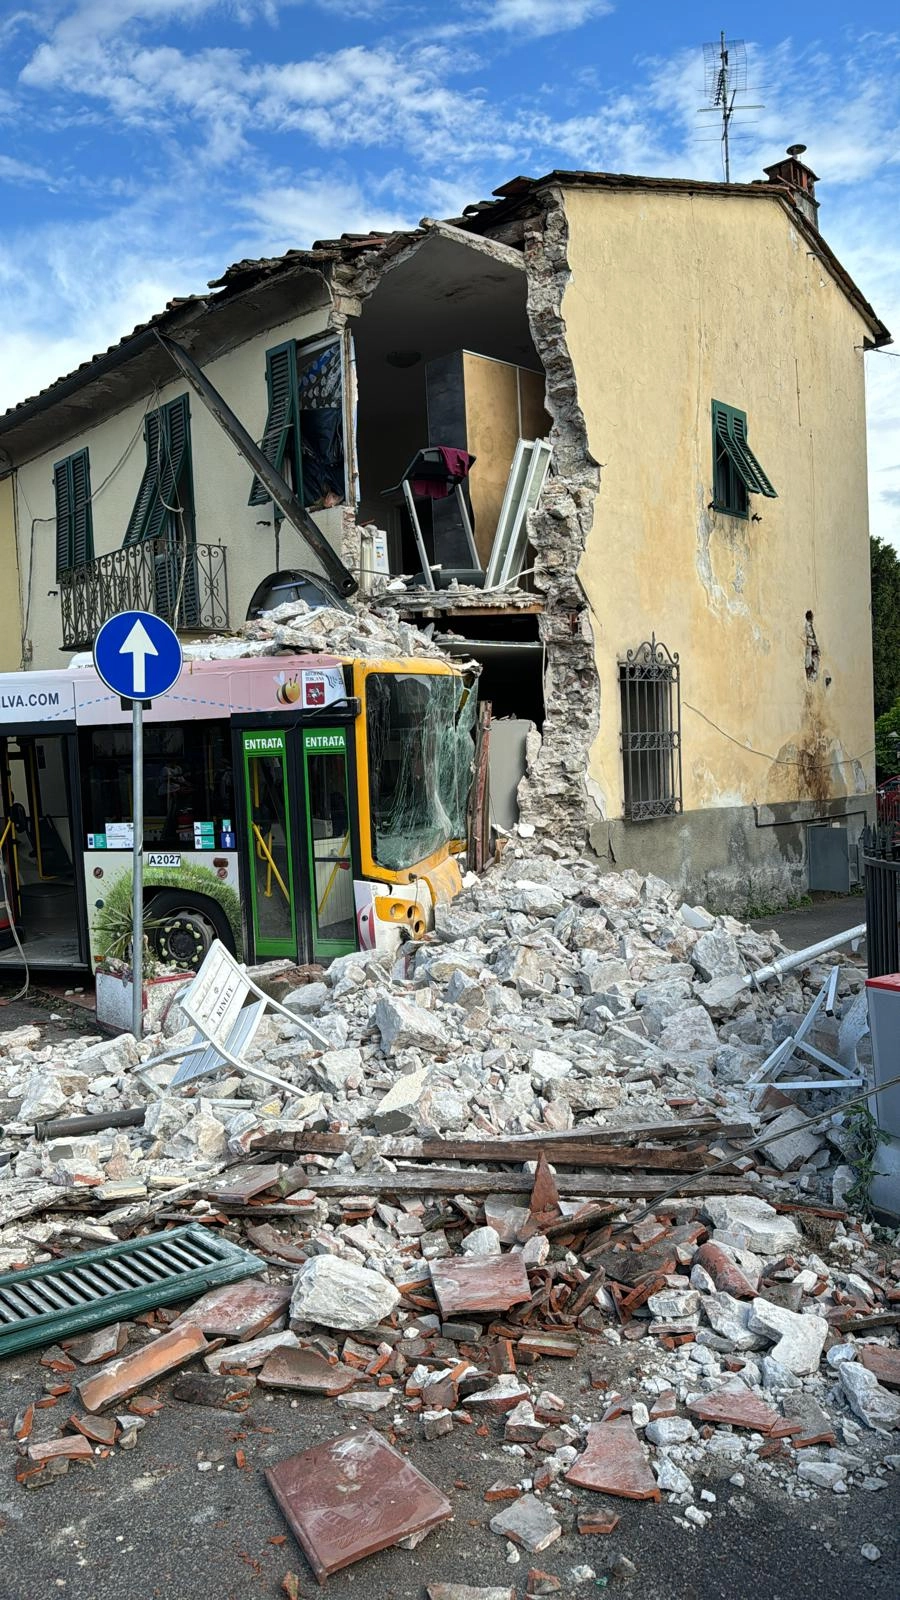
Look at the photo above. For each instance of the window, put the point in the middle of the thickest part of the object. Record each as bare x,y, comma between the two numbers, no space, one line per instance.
419,728
165,500
304,435
74,527
188,783
649,684
736,471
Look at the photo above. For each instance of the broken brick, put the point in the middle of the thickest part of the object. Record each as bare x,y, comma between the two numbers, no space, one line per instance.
100,1430
102,1344
529,1523
737,1406
237,1310
484,1283
598,1522
124,1377
884,1362
613,1462
323,1492
308,1371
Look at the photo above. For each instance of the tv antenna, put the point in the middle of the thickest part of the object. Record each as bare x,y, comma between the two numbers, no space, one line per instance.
725,66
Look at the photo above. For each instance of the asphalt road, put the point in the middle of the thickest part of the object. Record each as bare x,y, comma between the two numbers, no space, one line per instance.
149,1525
810,924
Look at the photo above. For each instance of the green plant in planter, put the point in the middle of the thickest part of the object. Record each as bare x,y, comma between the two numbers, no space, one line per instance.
112,923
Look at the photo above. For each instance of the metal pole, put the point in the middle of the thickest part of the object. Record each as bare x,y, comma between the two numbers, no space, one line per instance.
137,869
803,958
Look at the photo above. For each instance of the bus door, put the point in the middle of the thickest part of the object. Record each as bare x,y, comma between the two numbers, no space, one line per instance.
297,852
36,844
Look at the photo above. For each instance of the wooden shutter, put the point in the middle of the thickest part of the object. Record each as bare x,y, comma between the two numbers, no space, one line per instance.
283,420
82,540
166,485
751,471
148,493
62,479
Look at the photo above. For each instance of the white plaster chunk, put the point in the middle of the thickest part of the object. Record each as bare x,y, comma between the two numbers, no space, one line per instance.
339,1294
800,1338
748,1223
873,1404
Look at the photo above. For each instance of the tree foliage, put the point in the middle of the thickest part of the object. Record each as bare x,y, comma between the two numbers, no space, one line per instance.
885,625
887,750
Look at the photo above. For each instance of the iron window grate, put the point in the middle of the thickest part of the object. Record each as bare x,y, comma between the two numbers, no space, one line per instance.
41,1305
650,689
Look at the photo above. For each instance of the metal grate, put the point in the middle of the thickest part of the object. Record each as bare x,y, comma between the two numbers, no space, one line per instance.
650,687
44,1304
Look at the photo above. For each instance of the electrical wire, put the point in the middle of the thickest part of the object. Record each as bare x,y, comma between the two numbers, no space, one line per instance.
779,761
754,1144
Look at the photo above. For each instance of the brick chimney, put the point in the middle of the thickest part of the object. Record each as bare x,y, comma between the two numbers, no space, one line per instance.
799,178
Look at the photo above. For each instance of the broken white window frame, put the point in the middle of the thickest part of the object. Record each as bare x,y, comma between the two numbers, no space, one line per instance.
524,486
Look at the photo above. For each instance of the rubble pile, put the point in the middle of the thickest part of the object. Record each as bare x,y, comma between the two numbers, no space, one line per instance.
308,630
513,1201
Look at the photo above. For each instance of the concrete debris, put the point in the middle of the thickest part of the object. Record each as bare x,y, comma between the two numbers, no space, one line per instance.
471,1183
800,1338
340,1294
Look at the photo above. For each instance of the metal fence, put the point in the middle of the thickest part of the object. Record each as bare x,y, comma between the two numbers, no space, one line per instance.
186,584
881,859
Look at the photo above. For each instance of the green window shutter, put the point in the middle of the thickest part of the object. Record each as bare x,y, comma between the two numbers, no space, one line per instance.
82,520
167,484
62,479
74,528
754,477
737,472
148,493
282,432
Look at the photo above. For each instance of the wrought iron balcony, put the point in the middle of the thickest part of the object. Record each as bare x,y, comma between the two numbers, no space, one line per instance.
187,584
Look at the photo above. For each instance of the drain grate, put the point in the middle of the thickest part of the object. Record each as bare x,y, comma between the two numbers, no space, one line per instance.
42,1305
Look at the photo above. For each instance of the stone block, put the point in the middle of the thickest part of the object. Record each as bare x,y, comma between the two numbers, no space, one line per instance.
749,1223
340,1294
800,1338
403,1025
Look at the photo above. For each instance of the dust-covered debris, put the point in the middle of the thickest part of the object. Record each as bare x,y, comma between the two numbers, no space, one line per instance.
514,1201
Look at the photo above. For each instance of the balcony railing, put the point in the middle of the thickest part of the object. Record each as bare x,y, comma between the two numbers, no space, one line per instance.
186,584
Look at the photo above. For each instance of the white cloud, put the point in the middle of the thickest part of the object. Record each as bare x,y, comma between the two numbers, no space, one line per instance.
536,18
292,216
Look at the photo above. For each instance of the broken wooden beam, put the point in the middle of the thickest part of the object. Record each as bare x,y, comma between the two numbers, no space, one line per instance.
455,1180
573,1151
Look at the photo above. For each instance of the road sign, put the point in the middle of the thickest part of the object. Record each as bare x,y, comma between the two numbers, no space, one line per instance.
137,655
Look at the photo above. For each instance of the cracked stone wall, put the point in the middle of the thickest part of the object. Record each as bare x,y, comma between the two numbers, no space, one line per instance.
554,795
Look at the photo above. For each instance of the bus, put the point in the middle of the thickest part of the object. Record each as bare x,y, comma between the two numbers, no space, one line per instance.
298,806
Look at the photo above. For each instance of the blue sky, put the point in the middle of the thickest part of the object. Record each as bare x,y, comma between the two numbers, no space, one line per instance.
144,144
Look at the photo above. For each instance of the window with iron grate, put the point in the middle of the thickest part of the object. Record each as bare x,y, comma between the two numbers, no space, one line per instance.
650,691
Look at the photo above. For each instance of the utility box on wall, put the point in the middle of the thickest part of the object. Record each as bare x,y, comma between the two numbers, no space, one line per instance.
828,858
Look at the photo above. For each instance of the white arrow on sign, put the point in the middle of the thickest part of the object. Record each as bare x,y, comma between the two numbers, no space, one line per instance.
138,645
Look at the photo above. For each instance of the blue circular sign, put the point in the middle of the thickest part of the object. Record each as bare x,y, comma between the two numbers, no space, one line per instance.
137,655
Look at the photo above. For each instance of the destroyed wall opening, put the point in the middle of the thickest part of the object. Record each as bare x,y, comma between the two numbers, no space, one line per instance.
444,356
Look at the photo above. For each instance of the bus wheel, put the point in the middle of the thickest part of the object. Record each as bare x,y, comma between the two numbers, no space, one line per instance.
183,928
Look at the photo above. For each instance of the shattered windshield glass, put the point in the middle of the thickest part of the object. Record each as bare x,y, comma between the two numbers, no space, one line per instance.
419,729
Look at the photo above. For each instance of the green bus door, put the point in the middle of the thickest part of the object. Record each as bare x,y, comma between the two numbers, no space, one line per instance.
300,889
332,905
271,873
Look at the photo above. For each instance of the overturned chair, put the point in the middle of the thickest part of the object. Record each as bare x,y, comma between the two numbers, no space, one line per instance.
226,1008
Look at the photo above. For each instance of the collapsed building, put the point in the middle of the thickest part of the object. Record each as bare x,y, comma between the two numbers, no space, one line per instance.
603,434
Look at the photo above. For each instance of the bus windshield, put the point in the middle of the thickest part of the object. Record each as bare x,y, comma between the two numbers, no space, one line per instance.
419,732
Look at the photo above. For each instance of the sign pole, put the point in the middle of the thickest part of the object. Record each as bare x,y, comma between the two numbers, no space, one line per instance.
138,657
137,890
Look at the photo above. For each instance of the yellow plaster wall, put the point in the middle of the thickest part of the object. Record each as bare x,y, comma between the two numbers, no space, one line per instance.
10,617
676,300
